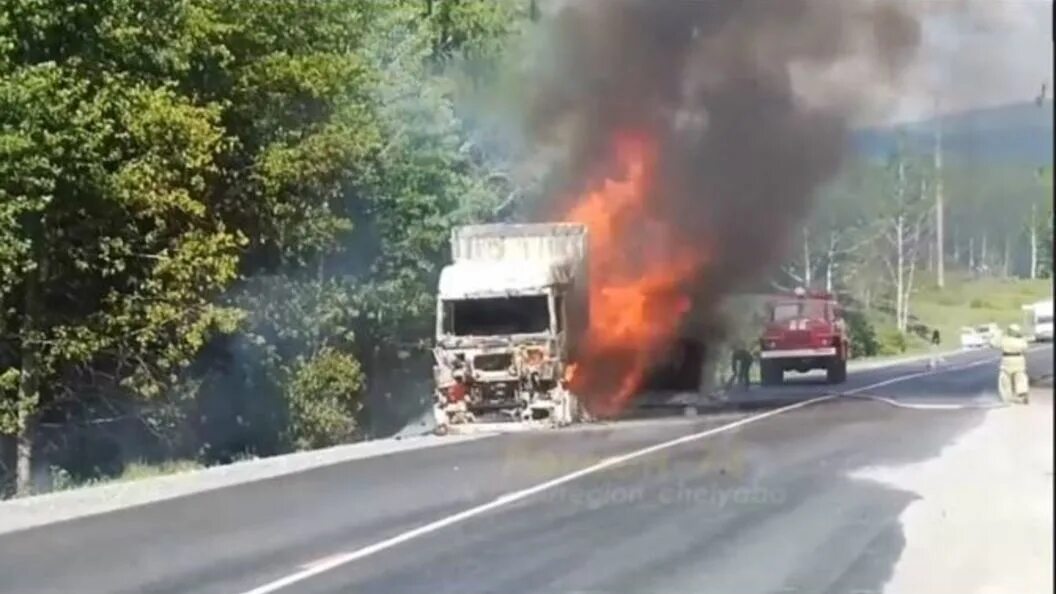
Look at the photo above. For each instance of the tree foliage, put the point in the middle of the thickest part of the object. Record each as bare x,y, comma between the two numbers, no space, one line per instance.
185,185
851,242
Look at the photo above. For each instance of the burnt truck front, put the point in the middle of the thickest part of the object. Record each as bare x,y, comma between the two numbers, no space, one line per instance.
509,310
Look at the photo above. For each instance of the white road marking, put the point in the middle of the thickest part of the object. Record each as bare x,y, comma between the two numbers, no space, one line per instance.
330,562
988,360
322,561
910,376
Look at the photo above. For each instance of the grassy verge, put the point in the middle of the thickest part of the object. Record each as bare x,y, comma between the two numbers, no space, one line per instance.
973,302
962,302
61,480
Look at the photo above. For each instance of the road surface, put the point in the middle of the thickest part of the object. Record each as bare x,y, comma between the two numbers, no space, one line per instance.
763,505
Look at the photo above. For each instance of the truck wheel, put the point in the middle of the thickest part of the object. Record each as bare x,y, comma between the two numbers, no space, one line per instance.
837,371
771,374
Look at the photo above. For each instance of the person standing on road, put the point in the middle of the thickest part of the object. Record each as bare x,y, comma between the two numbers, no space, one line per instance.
1012,381
742,364
733,368
935,358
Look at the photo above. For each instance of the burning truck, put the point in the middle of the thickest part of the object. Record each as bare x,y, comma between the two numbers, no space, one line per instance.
512,308
528,328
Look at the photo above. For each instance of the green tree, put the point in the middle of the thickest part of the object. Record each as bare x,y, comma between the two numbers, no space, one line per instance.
322,392
151,152
190,182
427,178
111,256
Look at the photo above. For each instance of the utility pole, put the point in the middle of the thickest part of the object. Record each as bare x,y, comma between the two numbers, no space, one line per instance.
900,241
1033,243
807,268
1040,102
984,261
940,256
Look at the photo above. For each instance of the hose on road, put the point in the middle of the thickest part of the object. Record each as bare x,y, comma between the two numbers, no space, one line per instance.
926,405
1034,381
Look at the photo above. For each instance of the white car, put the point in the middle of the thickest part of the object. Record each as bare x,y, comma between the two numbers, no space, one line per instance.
1038,320
988,331
972,339
1043,329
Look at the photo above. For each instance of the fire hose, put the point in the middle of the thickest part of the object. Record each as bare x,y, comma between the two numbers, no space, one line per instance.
925,405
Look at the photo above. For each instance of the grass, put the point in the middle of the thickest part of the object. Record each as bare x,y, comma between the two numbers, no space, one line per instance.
140,470
61,480
973,302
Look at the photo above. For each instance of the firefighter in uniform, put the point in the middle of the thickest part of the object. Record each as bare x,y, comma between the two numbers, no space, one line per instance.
1012,381
742,364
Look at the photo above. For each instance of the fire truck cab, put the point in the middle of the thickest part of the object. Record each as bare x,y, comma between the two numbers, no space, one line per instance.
804,331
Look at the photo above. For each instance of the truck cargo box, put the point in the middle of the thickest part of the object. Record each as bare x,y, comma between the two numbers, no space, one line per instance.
527,242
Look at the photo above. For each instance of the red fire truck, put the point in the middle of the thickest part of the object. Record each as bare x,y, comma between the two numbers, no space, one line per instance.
804,331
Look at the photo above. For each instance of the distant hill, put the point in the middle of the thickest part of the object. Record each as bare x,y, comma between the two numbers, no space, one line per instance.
1015,134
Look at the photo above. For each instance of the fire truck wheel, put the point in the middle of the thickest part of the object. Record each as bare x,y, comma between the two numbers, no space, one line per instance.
837,371
772,374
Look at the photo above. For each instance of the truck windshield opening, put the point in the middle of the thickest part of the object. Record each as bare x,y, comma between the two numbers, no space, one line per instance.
497,316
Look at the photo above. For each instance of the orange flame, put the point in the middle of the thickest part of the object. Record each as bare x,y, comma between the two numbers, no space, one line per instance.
636,290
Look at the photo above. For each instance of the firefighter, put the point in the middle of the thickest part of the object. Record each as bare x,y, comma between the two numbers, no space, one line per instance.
751,355
1012,381
742,364
733,369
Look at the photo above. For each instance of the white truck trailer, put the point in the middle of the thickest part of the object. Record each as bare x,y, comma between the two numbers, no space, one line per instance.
511,309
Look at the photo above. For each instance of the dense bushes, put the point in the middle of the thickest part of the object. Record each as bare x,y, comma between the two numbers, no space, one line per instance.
864,342
323,396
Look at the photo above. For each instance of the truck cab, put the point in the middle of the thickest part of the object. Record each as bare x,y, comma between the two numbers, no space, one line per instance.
804,331
507,319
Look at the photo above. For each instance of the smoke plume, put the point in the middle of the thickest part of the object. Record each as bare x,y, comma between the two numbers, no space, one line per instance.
744,106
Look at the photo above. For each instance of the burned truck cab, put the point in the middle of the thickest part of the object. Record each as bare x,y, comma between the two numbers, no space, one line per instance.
503,338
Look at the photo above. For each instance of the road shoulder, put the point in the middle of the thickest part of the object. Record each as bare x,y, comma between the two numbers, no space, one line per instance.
40,510
983,520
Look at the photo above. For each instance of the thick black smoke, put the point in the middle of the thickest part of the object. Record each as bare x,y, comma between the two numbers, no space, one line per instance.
748,101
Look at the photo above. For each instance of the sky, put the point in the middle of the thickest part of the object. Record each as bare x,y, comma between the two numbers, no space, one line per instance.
978,53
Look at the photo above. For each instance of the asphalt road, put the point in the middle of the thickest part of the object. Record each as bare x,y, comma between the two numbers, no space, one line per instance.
766,506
